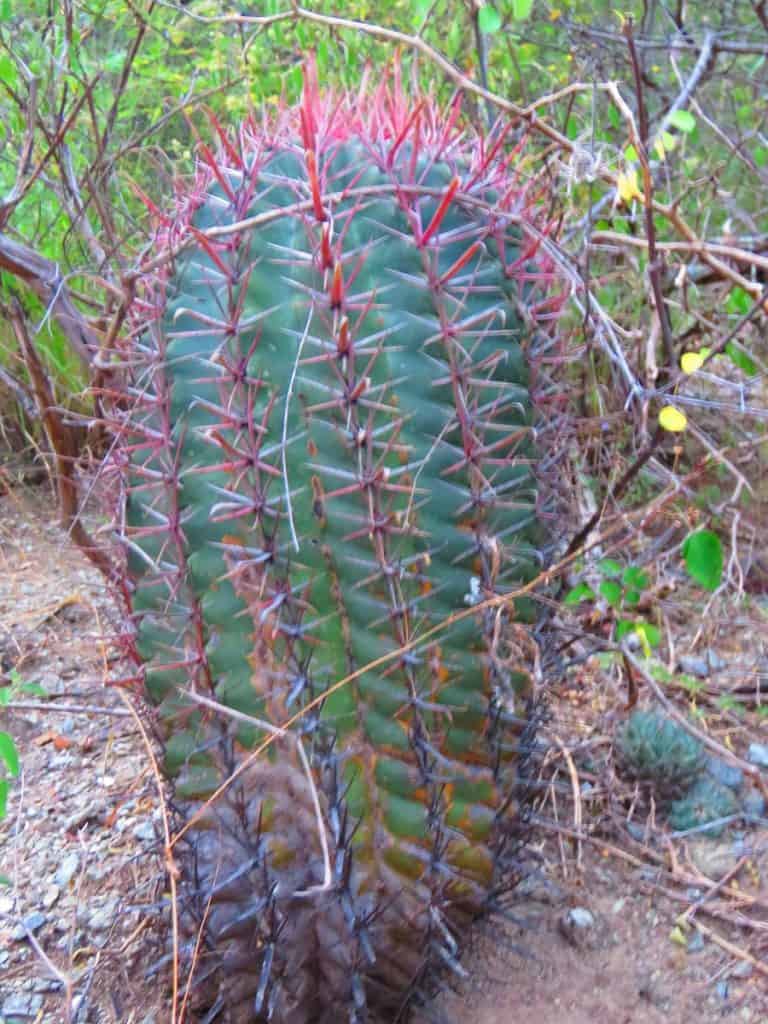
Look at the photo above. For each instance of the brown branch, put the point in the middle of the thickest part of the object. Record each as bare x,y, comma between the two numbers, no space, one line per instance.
730,252
62,444
618,490
43,277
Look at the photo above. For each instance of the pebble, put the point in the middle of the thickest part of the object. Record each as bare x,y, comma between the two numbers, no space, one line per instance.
636,831
145,832
726,774
715,859
102,917
743,969
539,889
32,922
715,662
693,665
722,989
50,896
6,904
753,803
21,1004
577,925
758,754
696,942
46,985
67,870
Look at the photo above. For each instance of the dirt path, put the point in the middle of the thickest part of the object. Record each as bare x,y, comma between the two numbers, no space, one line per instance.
81,923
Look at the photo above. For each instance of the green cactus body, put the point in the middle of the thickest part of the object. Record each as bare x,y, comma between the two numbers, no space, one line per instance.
329,453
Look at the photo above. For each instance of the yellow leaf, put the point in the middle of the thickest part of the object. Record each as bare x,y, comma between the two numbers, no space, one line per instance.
672,419
628,187
659,147
677,936
554,14
690,362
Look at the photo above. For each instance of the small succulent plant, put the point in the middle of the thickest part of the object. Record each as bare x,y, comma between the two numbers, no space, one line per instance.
707,800
654,749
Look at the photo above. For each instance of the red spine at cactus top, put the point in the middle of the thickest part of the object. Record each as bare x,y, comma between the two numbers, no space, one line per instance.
326,442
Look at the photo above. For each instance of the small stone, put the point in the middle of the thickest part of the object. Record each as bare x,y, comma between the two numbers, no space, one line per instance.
67,727
67,869
32,922
726,774
636,831
618,906
21,1004
693,665
102,918
753,803
539,889
758,754
722,989
696,942
50,896
577,925
145,832
743,969
714,859
715,662
46,985
6,904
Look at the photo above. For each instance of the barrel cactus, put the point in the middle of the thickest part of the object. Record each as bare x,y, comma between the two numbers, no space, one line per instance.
325,441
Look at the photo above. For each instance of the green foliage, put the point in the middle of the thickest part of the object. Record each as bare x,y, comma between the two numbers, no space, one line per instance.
654,749
622,588
706,801
703,556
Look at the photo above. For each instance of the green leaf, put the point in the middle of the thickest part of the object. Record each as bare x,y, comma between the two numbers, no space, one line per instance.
623,628
651,633
581,592
6,10
740,358
8,72
9,754
4,788
489,19
634,577
34,689
5,695
683,120
631,598
703,554
738,301
521,9
4,879
611,591
608,567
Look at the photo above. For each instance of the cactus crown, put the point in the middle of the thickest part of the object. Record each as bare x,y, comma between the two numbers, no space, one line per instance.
327,450
655,749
